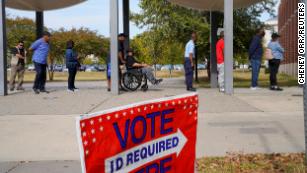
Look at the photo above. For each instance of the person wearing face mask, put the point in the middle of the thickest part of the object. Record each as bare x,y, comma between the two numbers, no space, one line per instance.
255,56
39,58
17,66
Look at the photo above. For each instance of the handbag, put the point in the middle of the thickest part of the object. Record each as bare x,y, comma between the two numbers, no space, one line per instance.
268,54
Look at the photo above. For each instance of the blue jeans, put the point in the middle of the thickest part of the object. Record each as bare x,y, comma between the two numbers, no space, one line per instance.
188,73
256,64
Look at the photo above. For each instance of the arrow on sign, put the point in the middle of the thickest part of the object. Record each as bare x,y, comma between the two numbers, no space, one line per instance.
145,153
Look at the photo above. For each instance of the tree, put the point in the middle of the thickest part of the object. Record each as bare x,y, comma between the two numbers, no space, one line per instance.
20,29
175,24
246,22
87,42
170,23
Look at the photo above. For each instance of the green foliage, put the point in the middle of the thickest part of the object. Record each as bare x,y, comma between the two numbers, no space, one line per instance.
87,61
168,24
86,41
20,29
153,51
169,28
246,23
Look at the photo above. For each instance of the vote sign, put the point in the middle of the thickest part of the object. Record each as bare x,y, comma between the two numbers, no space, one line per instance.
152,136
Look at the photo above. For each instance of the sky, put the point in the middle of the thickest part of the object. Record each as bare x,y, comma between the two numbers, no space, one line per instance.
93,14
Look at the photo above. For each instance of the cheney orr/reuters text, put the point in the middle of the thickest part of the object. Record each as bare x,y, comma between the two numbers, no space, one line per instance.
301,43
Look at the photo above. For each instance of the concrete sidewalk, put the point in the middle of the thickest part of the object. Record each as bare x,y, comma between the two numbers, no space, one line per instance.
41,128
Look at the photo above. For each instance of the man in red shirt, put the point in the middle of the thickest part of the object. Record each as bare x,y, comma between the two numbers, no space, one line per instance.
220,61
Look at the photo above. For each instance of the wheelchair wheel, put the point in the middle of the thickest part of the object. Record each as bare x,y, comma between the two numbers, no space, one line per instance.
131,81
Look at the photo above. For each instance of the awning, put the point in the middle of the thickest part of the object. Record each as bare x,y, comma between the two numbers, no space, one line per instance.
41,5
213,5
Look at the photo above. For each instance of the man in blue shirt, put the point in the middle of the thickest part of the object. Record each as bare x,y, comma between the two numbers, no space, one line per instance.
39,58
189,56
255,55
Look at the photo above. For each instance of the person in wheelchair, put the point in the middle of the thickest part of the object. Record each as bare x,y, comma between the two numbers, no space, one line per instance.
133,64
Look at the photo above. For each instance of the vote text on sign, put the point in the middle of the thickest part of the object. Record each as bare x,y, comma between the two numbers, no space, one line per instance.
152,136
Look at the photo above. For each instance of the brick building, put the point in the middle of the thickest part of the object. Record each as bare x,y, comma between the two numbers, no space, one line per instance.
287,26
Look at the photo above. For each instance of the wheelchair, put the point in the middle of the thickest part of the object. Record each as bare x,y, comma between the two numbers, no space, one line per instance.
132,80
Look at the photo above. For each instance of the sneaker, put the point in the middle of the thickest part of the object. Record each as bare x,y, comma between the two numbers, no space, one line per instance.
44,91
254,88
222,90
36,91
272,88
11,89
76,89
157,82
279,89
20,89
192,89
276,88
70,90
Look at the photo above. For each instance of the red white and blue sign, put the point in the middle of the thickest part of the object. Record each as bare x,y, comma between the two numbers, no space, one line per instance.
156,136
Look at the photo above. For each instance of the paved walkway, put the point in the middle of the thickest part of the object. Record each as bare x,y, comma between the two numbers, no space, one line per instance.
39,130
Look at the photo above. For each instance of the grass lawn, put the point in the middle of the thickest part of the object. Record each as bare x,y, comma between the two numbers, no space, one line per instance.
242,79
90,76
257,163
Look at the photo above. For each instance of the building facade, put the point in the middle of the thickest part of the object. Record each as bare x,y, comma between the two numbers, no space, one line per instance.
271,26
287,25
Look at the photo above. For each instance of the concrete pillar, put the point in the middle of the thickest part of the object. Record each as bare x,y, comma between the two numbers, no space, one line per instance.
114,46
228,50
3,58
126,24
196,63
213,40
39,24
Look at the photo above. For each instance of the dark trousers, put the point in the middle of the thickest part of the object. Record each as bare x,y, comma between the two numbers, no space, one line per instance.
274,66
40,78
188,73
72,71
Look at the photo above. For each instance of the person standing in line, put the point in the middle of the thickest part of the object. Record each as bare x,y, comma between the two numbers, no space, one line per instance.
255,56
277,54
39,58
121,57
121,62
109,72
72,65
17,66
220,61
189,56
